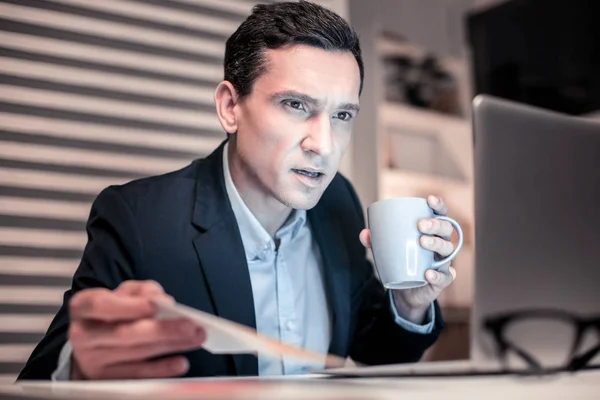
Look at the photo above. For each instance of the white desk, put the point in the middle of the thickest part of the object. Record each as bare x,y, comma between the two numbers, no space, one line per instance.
585,385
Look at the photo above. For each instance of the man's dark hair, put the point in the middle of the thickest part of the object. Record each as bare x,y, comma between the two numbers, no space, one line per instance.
271,26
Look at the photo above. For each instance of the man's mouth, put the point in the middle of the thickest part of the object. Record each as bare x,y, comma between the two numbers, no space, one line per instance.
308,173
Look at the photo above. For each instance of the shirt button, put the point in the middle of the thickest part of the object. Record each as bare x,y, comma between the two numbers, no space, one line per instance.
290,325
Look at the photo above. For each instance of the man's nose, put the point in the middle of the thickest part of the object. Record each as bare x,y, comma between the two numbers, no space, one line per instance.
318,139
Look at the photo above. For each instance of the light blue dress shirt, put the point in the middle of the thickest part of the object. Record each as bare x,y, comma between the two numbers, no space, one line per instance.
288,285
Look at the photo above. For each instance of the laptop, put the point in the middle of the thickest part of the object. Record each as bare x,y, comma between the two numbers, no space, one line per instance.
537,241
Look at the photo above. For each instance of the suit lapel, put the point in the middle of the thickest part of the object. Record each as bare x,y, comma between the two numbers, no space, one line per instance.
327,232
221,253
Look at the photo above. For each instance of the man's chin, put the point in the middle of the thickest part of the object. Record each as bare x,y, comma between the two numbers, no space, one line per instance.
302,202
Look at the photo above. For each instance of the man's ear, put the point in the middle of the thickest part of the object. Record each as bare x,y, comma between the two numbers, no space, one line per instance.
226,100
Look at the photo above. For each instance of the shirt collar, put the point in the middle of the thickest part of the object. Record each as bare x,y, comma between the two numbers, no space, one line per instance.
257,241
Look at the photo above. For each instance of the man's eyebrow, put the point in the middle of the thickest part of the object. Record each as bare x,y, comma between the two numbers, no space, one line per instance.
350,107
311,100
296,96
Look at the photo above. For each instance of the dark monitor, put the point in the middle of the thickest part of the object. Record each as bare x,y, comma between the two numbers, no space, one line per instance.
544,53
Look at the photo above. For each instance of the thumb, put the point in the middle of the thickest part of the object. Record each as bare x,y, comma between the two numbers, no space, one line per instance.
437,279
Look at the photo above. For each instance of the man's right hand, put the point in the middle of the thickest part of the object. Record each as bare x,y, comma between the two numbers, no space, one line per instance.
114,334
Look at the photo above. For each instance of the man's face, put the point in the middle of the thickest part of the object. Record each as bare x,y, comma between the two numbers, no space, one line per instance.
295,125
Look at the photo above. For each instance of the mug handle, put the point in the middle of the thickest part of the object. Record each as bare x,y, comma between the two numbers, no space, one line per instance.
439,263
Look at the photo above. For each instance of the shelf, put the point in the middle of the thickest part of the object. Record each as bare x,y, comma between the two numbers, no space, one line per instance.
425,152
395,176
400,183
394,179
400,115
437,140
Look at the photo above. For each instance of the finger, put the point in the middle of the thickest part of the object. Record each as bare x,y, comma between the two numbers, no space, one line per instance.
439,280
437,204
104,305
443,247
453,273
140,288
113,356
365,238
433,226
164,368
143,331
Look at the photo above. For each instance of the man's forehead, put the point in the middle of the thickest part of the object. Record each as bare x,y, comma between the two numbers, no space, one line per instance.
323,75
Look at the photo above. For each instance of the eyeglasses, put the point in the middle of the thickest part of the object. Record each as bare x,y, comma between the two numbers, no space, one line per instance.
545,340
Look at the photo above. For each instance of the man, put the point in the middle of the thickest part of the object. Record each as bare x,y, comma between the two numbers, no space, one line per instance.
262,232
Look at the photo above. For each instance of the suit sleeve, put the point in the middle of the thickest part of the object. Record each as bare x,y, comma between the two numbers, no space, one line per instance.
377,338
112,251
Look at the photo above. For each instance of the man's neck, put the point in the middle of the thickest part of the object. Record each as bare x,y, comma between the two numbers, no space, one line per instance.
267,210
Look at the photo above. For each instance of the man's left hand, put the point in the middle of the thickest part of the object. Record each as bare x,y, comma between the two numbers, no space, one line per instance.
412,304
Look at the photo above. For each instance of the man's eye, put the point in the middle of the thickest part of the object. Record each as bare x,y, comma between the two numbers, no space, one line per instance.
343,115
295,104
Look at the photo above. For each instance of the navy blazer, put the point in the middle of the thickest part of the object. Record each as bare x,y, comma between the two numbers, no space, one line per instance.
179,230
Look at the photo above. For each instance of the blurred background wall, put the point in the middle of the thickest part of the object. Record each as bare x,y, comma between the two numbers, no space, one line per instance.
92,93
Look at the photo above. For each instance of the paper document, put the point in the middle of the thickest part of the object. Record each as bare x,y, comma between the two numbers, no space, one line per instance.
227,337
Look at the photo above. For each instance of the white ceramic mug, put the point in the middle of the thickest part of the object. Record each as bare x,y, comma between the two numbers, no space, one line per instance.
400,260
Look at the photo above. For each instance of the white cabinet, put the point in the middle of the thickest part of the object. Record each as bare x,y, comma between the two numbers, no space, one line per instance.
422,152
